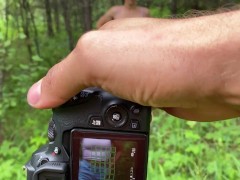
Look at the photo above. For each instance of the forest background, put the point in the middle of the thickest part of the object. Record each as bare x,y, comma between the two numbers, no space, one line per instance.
36,34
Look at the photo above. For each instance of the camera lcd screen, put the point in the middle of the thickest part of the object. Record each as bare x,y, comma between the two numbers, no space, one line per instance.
106,155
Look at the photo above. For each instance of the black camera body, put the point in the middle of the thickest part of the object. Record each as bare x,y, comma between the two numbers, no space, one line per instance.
95,135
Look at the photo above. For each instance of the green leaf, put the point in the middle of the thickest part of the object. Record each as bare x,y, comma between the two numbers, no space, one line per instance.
13,103
22,36
191,124
194,149
1,36
36,58
7,43
6,168
24,66
192,135
212,167
4,148
2,51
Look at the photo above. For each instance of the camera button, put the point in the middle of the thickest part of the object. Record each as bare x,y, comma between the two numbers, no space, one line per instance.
96,121
116,116
57,150
80,98
135,124
135,110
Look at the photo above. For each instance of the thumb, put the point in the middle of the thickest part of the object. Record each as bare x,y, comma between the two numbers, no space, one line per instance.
62,81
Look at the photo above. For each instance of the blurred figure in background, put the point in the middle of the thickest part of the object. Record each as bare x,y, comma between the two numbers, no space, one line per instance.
130,9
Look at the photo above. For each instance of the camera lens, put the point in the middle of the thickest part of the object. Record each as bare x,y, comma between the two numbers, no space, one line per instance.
116,116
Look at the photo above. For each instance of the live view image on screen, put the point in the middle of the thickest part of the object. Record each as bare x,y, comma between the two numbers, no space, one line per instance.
109,158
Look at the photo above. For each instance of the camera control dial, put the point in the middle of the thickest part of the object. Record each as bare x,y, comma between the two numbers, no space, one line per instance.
116,116
51,131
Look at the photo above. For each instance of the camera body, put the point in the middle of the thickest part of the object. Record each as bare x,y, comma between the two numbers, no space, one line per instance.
94,135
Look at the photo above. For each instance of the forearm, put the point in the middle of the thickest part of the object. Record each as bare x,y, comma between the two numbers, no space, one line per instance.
228,54
208,48
202,60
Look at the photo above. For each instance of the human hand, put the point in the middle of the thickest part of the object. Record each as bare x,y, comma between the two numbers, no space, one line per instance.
158,63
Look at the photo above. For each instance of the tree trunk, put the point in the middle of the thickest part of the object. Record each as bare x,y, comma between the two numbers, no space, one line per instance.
2,61
49,18
149,2
116,2
87,14
25,26
7,19
67,21
77,16
56,15
173,7
195,5
35,31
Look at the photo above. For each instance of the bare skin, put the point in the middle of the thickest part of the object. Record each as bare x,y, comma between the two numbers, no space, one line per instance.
128,10
187,67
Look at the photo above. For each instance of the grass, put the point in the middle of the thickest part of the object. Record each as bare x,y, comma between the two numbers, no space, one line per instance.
193,150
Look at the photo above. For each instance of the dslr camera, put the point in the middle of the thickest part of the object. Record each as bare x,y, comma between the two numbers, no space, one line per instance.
94,136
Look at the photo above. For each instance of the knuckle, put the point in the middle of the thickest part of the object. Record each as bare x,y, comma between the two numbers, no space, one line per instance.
86,46
88,56
86,40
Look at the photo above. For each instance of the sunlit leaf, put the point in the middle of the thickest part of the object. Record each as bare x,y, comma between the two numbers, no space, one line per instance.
36,58
7,43
22,36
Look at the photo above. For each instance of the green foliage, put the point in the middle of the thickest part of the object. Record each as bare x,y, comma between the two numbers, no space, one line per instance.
23,129
159,13
178,149
193,150
13,155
